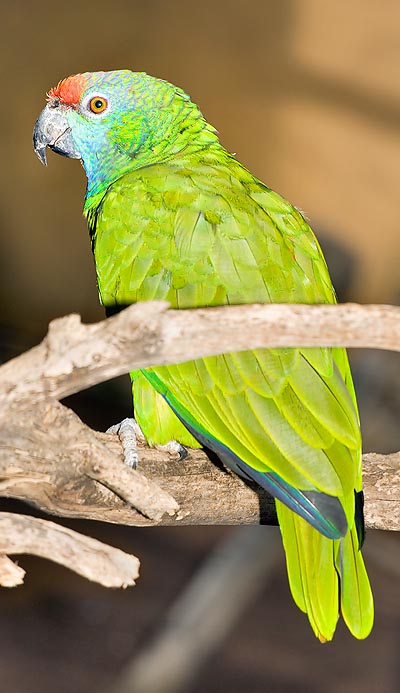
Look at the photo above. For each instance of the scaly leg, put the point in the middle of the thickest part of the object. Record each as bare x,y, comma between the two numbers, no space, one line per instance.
129,433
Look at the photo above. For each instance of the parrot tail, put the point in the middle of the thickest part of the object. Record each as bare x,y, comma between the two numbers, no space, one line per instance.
326,577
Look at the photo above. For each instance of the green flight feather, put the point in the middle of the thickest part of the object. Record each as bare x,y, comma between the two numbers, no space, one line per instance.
154,416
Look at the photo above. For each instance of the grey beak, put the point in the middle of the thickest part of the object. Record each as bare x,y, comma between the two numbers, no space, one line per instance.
52,130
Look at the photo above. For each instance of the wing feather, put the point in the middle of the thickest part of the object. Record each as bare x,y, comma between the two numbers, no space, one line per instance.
211,234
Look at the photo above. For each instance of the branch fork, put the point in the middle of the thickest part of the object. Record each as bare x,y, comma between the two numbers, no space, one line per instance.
48,457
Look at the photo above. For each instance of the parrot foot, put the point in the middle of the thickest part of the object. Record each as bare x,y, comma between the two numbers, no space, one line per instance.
129,432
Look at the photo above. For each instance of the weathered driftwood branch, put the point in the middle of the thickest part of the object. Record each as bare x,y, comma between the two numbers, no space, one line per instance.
11,574
74,356
48,457
67,469
88,557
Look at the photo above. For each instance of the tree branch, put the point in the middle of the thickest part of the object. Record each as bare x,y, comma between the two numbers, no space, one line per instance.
48,457
74,356
90,558
65,468
11,574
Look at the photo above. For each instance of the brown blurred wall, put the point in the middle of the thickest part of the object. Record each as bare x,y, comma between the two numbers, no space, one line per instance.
306,92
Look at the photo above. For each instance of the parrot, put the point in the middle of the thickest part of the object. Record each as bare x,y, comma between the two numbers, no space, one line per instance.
174,216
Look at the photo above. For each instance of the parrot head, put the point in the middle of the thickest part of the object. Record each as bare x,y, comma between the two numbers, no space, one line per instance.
116,121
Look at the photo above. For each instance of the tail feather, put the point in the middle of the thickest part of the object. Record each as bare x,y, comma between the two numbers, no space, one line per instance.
356,601
326,575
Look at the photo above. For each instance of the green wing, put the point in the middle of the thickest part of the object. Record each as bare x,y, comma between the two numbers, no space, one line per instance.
205,232
155,416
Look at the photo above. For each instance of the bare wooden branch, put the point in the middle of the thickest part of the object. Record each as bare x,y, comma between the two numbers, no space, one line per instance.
381,475
49,458
11,574
53,460
90,558
74,356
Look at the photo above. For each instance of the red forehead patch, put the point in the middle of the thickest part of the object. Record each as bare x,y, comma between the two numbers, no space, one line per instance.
69,90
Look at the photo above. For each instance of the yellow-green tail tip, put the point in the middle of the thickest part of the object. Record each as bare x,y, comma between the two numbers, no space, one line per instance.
326,577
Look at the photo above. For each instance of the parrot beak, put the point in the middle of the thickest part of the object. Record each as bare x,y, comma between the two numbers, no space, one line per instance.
52,130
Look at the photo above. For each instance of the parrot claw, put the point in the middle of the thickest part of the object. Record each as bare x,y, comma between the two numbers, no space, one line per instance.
174,448
129,432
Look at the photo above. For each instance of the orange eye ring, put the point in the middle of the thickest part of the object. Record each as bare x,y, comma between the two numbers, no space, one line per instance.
98,104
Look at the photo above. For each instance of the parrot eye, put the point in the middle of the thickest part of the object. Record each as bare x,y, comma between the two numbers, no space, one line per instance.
98,104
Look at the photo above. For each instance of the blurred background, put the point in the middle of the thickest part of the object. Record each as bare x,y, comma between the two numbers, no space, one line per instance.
307,94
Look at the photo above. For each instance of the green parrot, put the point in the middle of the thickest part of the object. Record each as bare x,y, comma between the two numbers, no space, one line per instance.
174,216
